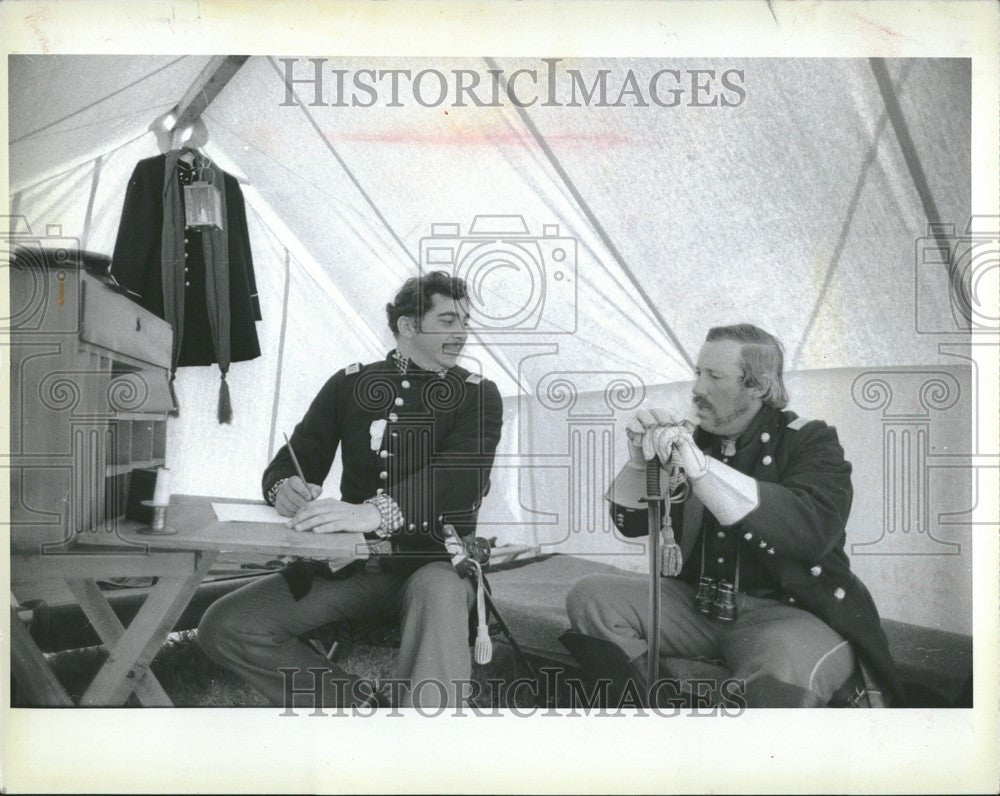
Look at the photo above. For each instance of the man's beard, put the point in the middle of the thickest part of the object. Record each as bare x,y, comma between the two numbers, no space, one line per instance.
717,423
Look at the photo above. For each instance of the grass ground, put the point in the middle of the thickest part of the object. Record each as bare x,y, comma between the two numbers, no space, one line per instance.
192,680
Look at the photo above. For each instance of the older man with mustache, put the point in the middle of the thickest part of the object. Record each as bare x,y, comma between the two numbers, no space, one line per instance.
765,587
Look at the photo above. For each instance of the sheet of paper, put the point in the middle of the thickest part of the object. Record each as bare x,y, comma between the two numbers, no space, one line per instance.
247,512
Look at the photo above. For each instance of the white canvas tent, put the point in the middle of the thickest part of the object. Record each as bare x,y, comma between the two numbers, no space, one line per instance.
802,209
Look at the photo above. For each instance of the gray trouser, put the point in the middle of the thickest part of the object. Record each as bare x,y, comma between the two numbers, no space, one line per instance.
786,656
254,631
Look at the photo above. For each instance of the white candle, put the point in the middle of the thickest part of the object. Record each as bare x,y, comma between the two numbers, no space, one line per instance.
161,494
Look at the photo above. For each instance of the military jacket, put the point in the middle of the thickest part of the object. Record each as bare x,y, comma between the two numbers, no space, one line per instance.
426,439
137,264
791,546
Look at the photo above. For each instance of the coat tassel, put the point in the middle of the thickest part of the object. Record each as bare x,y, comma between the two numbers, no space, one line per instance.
176,411
483,650
225,405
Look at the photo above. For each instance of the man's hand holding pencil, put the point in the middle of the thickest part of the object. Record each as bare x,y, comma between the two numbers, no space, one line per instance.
296,498
293,494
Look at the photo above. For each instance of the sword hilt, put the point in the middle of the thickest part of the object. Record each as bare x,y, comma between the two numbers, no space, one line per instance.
653,489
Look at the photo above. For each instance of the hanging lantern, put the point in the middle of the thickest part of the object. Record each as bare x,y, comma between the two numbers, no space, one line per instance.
202,203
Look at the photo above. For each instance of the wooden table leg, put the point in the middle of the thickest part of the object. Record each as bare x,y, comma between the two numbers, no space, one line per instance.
31,670
109,628
135,648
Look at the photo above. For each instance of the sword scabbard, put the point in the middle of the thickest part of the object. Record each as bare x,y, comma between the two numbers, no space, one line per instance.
654,501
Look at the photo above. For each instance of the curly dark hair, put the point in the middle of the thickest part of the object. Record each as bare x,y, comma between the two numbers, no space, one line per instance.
417,294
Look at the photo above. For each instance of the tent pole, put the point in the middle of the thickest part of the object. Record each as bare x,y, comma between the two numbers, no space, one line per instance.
206,87
281,356
89,215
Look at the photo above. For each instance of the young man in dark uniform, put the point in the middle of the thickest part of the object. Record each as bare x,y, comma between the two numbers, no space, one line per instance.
417,436
765,586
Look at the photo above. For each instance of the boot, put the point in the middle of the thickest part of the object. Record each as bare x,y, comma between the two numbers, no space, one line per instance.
608,674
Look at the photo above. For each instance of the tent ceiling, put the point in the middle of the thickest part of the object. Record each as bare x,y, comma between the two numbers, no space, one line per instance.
79,106
794,210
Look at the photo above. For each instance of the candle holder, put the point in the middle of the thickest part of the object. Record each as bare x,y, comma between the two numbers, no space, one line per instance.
158,526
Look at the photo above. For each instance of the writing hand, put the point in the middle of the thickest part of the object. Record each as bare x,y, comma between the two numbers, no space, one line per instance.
293,494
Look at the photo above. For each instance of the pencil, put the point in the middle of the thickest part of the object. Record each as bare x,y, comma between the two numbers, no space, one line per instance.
295,461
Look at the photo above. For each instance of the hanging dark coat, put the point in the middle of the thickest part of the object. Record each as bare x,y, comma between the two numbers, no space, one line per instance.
137,264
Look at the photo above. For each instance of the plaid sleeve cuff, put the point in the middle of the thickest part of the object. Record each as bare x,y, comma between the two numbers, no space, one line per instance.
392,517
272,493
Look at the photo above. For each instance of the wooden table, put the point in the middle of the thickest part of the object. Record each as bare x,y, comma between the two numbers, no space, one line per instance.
179,562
